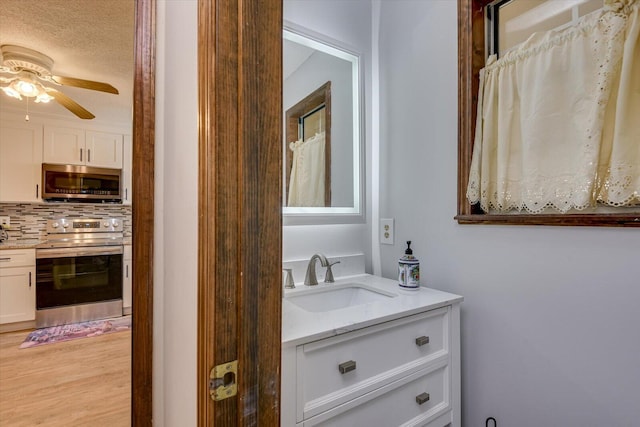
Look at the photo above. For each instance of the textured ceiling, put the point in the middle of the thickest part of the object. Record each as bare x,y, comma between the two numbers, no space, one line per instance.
87,39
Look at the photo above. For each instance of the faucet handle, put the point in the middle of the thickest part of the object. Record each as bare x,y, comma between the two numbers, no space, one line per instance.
328,278
288,280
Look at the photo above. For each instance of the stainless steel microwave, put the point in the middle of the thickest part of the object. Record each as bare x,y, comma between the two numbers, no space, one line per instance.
72,183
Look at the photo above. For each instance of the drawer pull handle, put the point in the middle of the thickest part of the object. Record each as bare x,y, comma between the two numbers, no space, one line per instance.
347,366
420,341
5,259
422,398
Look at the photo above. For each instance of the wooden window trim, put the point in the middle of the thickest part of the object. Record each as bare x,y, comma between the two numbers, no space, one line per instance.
471,54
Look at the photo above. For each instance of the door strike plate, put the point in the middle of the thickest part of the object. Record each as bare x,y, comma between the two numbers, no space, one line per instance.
222,381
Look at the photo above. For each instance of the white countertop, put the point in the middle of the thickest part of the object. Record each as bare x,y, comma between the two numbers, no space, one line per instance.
19,244
301,326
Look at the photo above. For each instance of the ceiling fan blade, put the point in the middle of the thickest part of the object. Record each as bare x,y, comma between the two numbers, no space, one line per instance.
69,104
84,84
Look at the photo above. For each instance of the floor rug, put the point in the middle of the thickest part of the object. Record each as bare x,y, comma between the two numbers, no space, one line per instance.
73,331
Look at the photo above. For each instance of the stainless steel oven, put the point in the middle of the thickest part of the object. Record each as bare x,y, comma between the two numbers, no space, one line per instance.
79,271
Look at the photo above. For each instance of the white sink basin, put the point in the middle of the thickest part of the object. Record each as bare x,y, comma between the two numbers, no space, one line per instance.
338,296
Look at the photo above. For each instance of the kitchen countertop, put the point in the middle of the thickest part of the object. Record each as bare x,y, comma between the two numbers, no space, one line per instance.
19,244
34,243
301,326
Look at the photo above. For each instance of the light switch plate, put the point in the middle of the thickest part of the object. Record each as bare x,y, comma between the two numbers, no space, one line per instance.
386,231
5,221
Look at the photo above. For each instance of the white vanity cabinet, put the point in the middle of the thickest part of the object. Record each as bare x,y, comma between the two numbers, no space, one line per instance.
127,273
403,370
20,161
71,146
17,285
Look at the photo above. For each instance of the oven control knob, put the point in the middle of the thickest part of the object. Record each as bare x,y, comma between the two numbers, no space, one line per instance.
105,224
65,225
55,225
115,223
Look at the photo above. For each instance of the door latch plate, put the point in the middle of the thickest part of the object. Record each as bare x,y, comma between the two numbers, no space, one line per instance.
222,381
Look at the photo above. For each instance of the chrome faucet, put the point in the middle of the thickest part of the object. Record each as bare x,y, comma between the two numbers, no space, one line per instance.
328,277
310,278
288,281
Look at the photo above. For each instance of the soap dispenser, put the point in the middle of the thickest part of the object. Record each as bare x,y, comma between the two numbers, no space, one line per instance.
409,270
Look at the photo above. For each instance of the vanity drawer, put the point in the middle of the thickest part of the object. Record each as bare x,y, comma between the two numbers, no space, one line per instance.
338,369
17,258
396,404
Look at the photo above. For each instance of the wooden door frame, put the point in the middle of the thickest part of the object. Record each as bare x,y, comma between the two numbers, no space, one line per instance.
240,206
143,212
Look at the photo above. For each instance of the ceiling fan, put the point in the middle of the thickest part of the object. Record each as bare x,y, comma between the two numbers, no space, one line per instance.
28,69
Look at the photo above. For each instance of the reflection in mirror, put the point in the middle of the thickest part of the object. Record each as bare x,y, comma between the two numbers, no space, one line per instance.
308,158
321,127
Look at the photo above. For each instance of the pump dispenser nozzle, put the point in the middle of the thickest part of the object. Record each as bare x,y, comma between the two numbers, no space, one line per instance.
408,251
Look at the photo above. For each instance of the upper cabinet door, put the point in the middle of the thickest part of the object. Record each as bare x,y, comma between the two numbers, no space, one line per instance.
104,149
20,162
70,146
64,146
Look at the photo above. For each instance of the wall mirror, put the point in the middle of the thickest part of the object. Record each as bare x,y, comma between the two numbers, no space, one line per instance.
322,176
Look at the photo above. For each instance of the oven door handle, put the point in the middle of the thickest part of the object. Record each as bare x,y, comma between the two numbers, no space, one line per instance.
78,252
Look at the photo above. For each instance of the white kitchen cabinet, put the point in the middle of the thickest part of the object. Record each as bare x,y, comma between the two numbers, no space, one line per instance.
127,275
104,150
399,370
17,285
79,147
20,161
127,164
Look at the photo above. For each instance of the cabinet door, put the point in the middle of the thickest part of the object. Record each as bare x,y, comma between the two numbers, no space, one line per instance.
104,150
379,355
416,400
17,294
64,146
20,162
127,163
127,282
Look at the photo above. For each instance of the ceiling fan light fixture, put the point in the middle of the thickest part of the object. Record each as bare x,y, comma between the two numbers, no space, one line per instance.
44,98
28,68
11,92
26,88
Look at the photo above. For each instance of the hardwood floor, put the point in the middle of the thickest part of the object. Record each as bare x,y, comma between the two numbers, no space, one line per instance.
82,382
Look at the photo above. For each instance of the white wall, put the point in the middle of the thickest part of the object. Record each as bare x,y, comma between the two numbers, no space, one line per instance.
348,22
550,319
176,216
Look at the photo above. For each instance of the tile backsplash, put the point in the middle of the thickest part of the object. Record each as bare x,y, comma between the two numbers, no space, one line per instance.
29,220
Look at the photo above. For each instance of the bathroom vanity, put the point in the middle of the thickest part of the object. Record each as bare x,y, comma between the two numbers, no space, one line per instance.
363,352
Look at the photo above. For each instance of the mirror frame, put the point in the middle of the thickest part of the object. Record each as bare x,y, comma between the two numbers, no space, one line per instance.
471,58
333,215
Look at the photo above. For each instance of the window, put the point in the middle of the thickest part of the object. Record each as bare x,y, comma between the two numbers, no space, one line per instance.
506,31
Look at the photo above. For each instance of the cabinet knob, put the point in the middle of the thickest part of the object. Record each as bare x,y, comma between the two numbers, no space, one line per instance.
347,366
420,341
422,398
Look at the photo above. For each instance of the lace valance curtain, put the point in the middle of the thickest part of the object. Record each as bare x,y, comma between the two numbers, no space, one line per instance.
558,122
306,184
